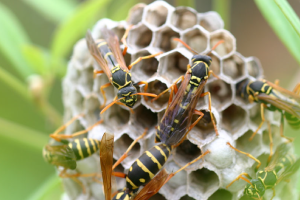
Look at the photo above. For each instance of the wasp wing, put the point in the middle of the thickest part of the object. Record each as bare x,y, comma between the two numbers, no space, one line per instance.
285,91
113,42
281,103
106,161
153,186
289,171
94,51
280,152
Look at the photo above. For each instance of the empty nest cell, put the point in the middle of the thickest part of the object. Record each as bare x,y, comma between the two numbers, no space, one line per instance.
144,117
254,67
139,37
183,18
145,68
116,116
234,67
172,66
135,14
225,48
164,39
156,15
196,39
221,93
211,21
234,118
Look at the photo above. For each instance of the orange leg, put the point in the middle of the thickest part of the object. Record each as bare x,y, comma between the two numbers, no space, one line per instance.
142,58
197,112
215,75
261,123
247,154
96,72
240,177
103,93
180,78
59,137
129,148
296,90
145,88
63,127
276,82
209,107
123,40
271,142
131,110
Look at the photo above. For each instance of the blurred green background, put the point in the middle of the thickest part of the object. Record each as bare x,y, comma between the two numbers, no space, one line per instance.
36,40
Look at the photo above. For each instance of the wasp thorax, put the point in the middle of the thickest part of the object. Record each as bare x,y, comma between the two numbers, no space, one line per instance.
256,190
127,96
206,59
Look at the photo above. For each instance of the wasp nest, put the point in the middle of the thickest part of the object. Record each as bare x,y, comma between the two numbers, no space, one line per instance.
154,27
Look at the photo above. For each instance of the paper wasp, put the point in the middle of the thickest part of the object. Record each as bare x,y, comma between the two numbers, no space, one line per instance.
269,97
108,55
282,165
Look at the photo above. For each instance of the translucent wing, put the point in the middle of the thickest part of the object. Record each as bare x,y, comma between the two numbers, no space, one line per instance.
61,155
106,161
281,103
113,42
96,54
289,171
280,152
153,186
284,91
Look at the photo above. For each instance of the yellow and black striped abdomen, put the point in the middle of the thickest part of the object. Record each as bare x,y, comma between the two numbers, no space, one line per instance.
292,120
147,165
84,148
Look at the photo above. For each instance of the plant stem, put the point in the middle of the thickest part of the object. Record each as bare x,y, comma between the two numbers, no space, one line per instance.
223,8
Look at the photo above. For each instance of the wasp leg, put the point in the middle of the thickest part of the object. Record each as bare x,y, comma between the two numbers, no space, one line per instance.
185,166
96,72
142,58
215,75
173,85
274,193
129,148
197,112
122,104
59,137
123,40
145,87
63,127
209,107
103,93
261,123
282,128
276,82
247,154
271,143
296,90
240,177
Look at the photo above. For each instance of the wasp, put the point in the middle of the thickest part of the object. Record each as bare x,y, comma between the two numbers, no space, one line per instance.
282,165
272,98
108,55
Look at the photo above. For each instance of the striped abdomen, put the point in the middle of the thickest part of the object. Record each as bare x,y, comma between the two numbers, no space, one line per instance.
292,120
84,148
106,53
146,166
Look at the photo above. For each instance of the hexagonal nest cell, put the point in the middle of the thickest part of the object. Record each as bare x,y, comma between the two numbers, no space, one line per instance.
196,39
154,27
183,18
164,39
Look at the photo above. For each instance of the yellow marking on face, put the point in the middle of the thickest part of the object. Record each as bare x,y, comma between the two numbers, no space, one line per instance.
161,152
79,148
144,168
149,154
108,54
176,121
87,146
142,180
101,43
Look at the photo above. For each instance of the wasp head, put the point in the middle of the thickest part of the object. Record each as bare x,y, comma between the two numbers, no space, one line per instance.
204,58
126,93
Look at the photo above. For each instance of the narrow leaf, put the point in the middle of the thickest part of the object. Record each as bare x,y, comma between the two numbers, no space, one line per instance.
12,37
190,3
75,26
290,14
223,8
281,26
54,10
23,135
50,189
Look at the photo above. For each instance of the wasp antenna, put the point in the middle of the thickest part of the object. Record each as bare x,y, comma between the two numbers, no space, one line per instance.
145,94
215,46
109,105
186,45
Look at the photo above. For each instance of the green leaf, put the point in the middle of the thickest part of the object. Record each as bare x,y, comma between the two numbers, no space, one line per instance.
290,14
281,26
12,37
50,189
38,58
54,10
22,135
117,12
75,26
223,8
190,3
